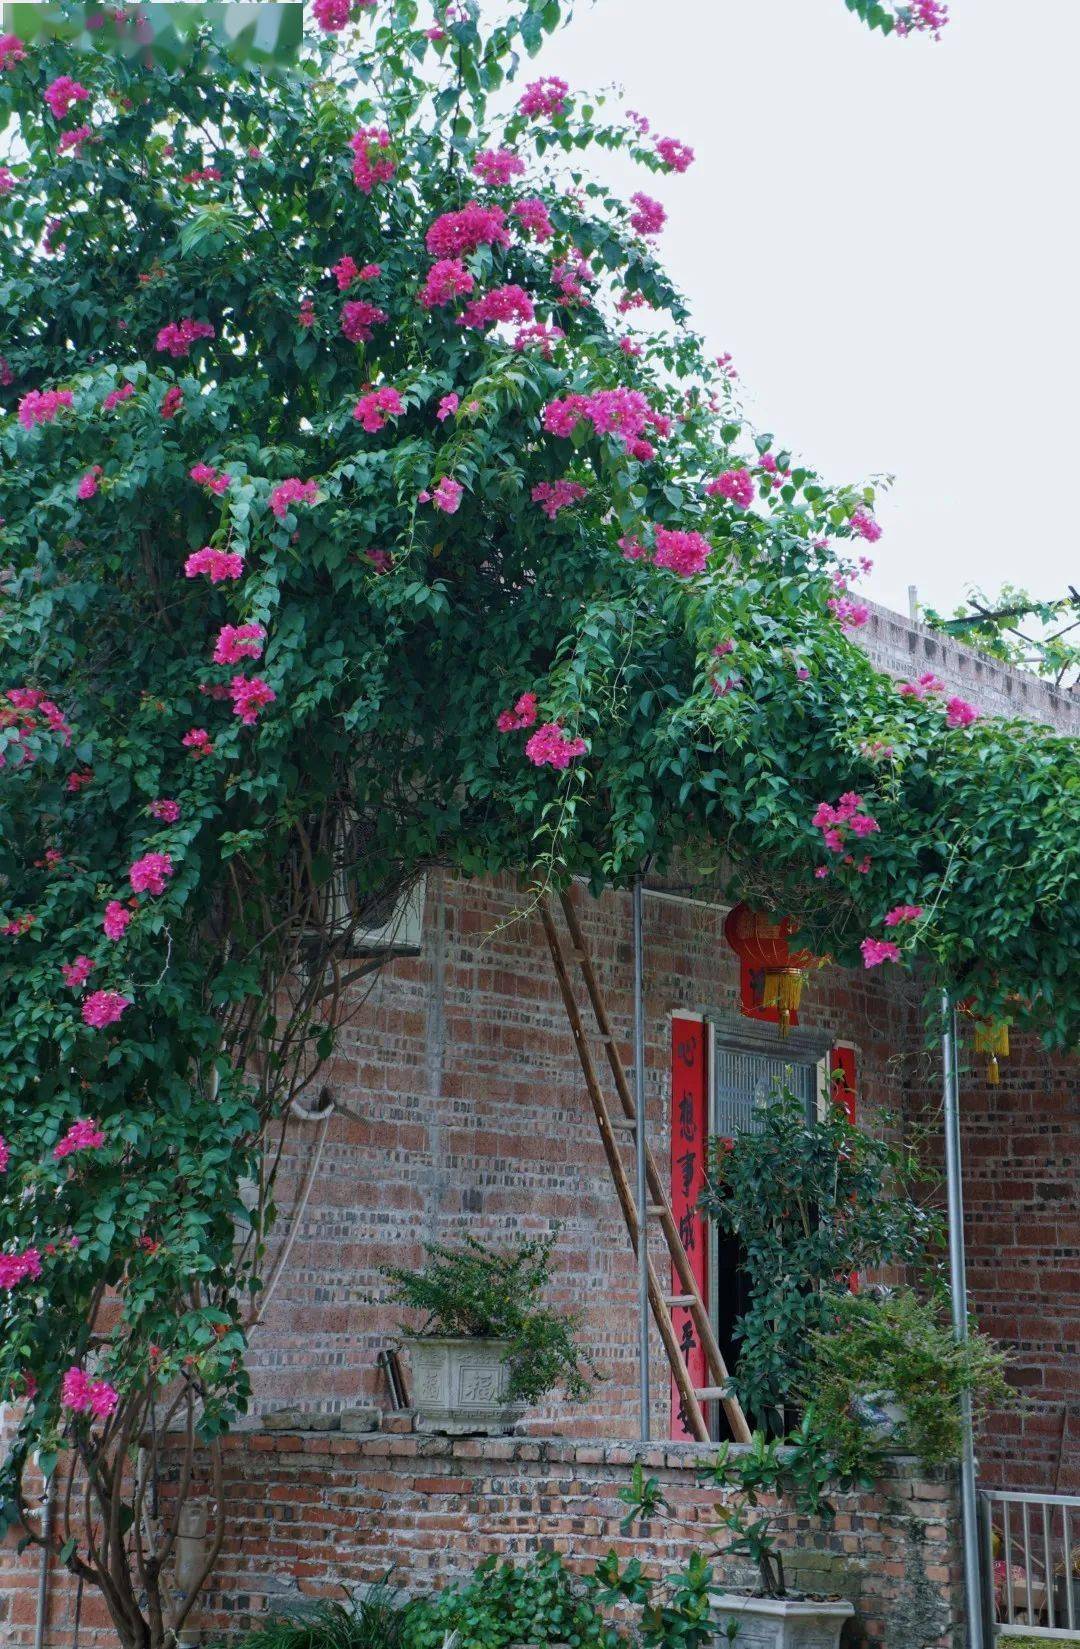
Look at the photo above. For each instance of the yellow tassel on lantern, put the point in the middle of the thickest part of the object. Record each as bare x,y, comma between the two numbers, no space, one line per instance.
992,1039
783,990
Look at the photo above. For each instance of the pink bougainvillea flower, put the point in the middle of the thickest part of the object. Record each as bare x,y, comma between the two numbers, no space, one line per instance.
544,97
552,746
926,16
150,873
76,973
373,410
18,926
85,1396
218,565
446,280
683,553
544,337
723,648
249,695
103,1008
553,496
331,15
903,913
5,1155
83,1135
502,303
447,494
862,523
306,314
959,713
73,140
496,166
648,216
12,51
172,401
292,491
676,156
198,741
203,174
534,218
728,684
737,486
63,93
40,406
345,271
447,407
115,397
850,615
236,642
373,162
215,481
177,337
116,919
522,715
456,234
7,182
927,683
16,1268
876,951
164,808
358,317
88,484
381,560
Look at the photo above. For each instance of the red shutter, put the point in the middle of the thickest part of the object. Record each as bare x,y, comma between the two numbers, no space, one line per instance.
689,1136
845,1094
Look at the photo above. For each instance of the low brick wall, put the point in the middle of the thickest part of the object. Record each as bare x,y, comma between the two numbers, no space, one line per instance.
311,1512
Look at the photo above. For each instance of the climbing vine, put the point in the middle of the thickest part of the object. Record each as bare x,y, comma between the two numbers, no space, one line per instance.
370,503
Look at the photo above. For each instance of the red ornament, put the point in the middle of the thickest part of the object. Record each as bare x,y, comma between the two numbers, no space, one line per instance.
773,975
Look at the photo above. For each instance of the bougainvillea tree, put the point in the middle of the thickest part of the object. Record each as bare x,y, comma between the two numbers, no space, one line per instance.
369,504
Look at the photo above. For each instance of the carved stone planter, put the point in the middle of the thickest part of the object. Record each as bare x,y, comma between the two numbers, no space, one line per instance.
780,1622
460,1386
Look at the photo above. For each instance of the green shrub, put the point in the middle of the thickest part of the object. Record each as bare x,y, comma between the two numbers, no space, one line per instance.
375,1621
539,1602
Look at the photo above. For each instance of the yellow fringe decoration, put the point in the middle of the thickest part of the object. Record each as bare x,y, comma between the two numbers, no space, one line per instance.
784,991
992,1039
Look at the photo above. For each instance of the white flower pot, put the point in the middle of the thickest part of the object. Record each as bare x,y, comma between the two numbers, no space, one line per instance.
461,1386
883,1416
779,1622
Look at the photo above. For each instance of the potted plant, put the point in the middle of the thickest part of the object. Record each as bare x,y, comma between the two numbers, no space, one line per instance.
761,1483
488,1347
891,1375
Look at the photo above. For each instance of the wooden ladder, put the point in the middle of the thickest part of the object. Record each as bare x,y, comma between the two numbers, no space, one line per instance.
624,1127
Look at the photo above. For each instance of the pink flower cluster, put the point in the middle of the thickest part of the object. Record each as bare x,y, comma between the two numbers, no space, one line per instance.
534,218
203,174
495,166
234,643
115,397
502,303
85,1396
372,161
676,156
5,1155
374,410
18,926
927,16
215,481
150,873
544,97
357,319
116,919
572,276
345,271
40,406
552,746
876,951
103,1008
63,93
84,1135
622,412
88,483
177,337
16,1268
682,553
850,615
12,51
553,496
446,280
219,565
292,491
737,486
903,913
959,713
522,715
171,401
544,337
7,181
331,15
456,234
847,814
862,523
165,809
73,140
448,406
927,683
76,973
249,695
648,216
446,495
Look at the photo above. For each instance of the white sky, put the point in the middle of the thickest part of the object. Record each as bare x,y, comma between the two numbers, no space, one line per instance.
883,234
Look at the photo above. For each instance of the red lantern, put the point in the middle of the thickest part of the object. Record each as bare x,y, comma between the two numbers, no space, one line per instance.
773,975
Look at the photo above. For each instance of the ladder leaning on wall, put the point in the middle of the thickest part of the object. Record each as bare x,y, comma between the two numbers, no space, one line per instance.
622,1127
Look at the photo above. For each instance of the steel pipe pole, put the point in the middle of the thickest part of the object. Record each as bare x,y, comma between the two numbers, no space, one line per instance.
640,1163
969,1505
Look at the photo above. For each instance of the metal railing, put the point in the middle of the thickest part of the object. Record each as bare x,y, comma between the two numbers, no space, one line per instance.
1031,1566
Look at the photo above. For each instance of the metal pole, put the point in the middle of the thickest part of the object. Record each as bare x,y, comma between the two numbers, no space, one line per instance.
642,1183
958,1289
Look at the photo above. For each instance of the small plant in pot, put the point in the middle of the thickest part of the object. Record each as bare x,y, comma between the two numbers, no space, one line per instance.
760,1484
488,1347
